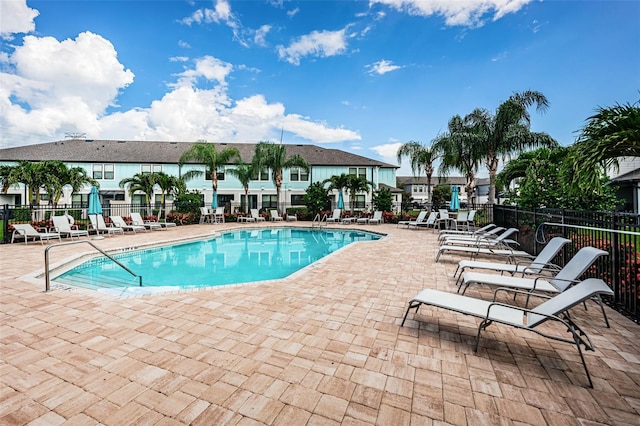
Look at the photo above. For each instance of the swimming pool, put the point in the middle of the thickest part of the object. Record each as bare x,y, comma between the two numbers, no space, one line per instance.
233,257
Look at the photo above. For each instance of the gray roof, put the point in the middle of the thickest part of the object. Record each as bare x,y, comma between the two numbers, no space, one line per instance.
90,151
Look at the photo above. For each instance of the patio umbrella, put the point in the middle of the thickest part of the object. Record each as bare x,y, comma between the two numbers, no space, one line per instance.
214,201
95,208
454,205
340,201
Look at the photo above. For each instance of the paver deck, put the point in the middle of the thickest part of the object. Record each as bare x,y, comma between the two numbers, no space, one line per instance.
324,347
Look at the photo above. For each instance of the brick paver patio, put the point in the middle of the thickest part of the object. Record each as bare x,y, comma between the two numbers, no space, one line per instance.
322,347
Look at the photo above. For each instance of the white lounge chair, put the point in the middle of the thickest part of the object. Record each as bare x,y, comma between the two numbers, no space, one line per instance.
26,231
291,217
255,214
554,309
98,224
480,231
542,262
164,223
62,225
335,217
429,222
487,234
420,218
245,219
579,263
136,219
119,222
375,219
501,241
275,216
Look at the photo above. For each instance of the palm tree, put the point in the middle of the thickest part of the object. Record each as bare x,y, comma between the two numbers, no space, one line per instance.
609,134
508,132
337,182
32,174
167,184
244,172
422,158
356,184
59,176
460,151
274,157
143,182
205,153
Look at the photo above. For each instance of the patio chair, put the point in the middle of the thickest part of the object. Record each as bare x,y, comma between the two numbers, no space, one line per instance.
62,225
25,231
430,222
542,262
460,221
205,215
579,263
420,218
218,215
486,230
554,309
471,219
275,216
136,219
507,253
98,224
256,215
245,219
291,217
443,218
335,217
377,218
119,222
501,240
163,222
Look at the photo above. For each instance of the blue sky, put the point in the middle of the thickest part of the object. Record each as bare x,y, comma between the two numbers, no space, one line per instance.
353,75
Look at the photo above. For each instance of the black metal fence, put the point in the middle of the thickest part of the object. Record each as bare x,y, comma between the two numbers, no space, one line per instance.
615,232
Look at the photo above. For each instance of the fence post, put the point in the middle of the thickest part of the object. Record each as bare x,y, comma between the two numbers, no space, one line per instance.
615,264
5,223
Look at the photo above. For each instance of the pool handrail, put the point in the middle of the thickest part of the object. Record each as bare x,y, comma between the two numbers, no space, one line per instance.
46,261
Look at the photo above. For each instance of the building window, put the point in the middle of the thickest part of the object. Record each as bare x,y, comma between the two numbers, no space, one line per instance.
360,201
269,201
103,171
109,171
146,169
297,200
262,175
298,175
358,171
219,173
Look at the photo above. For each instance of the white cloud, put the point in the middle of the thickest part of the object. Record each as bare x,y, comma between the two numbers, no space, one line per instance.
293,12
220,14
317,43
470,13
382,67
388,152
260,35
16,17
49,88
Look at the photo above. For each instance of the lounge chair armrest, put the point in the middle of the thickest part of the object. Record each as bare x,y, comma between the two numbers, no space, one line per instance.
515,291
544,268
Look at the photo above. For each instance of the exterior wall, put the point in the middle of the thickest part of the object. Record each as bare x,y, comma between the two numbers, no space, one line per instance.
229,186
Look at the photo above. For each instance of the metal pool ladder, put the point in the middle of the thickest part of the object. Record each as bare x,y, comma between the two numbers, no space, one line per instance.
46,261
319,221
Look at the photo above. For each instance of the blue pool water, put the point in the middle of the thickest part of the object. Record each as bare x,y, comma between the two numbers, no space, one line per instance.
233,257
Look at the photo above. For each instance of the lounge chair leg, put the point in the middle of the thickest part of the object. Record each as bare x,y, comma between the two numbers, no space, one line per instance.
604,314
584,364
416,306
